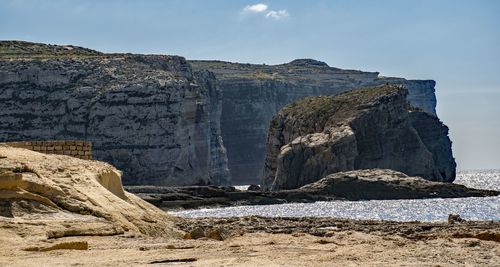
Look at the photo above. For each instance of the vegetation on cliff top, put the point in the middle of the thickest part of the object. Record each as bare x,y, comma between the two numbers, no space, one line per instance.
336,108
297,69
22,49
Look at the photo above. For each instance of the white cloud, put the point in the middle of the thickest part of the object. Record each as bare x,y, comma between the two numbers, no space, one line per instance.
263,9
257,8
280,14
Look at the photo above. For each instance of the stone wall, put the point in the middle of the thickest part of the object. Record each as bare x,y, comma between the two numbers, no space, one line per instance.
77,149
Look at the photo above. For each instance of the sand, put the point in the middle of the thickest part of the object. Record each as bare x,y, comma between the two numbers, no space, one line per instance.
369,245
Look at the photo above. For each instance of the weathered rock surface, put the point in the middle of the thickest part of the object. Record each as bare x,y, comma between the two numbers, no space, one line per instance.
150,116
253,94
360,129
58,196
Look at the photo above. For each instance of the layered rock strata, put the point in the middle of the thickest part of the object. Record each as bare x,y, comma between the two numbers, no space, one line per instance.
151,116
253,94
361,129
57,196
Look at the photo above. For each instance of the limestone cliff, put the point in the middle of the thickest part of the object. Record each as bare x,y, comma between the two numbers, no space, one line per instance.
360,129
161,119
253,94
150,116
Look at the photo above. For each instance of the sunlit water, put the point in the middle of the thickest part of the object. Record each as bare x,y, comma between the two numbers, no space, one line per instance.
486,208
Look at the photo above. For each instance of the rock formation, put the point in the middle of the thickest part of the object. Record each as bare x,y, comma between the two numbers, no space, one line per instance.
361,129
57,196
253,94
161,119
151,116
387,184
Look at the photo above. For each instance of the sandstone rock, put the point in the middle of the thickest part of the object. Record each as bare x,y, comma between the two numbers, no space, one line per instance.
253,94
360,129
57,196
218,234
150,116
74,245
196,233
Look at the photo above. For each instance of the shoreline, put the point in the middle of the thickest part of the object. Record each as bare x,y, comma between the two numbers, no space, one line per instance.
195,197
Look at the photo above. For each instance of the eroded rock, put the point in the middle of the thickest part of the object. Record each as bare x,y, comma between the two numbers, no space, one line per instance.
60,196
73,245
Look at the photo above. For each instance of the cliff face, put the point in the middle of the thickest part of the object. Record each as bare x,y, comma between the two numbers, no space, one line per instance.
361,129
155,117
150,116
253,94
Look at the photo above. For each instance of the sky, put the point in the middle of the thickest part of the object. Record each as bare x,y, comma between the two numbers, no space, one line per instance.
456,43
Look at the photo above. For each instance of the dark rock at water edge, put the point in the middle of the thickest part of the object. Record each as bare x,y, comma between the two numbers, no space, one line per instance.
354,185
387,184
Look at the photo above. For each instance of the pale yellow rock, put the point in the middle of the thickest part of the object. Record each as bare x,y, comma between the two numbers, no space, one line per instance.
57,195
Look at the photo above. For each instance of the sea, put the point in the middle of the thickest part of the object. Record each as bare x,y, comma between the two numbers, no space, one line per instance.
437,209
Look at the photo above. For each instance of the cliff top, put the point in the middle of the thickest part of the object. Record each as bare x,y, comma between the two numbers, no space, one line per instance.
29,50
66,64
321,110
20,49
302,72
299,69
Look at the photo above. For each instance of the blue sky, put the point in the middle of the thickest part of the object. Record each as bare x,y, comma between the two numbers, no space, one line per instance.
456,43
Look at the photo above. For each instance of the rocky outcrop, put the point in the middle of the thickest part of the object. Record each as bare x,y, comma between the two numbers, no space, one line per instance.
253,94
387,184
360,129
57,196
151,116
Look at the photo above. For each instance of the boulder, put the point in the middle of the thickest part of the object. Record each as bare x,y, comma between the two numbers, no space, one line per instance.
253,187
